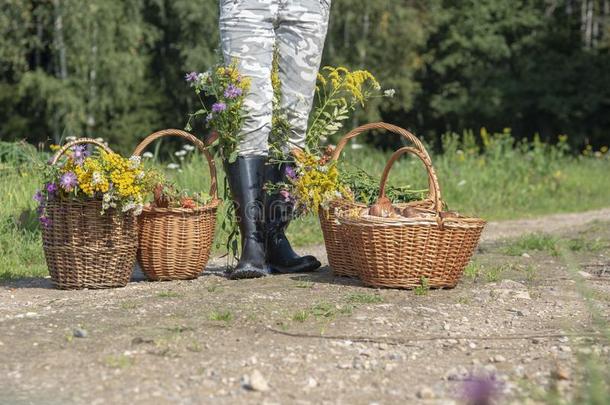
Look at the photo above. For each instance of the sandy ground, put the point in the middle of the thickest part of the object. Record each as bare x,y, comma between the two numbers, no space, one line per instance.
315,338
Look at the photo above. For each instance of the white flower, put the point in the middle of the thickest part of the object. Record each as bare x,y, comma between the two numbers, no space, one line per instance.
173,166
147,155
97,178
179,153
389,93
134,162
188,148
129,206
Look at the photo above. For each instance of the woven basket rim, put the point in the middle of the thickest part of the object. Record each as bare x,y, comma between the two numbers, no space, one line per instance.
370,220
209,206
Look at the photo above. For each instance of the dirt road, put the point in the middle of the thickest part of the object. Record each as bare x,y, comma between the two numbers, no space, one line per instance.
315,338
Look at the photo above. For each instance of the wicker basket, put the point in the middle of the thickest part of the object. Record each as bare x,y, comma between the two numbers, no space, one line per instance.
341,259
84,249
175,243
401,252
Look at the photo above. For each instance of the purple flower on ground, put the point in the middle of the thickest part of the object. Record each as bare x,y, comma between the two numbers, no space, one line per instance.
38,196
51,188
290,173
79,153
232,91
45,221
481,390
218,107
68,181
191,77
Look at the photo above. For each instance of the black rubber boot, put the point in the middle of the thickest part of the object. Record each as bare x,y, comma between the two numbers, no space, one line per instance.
278,213
246,176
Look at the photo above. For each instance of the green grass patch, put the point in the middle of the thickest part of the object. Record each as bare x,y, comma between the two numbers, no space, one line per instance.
423,288
120,361
540,242
364,298
223,316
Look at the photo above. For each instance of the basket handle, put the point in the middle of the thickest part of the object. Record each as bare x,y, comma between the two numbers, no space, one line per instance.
378,125
79,141
189,137
435,191
391,128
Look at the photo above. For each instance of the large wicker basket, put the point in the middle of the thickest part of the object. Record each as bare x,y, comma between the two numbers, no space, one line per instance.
175,243
408,252
83,248
339,257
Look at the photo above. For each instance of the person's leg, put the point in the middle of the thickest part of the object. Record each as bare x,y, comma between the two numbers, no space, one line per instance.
300,40
247,36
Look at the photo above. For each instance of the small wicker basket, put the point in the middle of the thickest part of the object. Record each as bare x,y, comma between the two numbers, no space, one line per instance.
83,248
175,243
401,252
339,257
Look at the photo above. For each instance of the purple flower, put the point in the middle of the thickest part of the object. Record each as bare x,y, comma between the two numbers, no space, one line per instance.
290,173
191,77
480,390
51,188
68,181
79,153
218,107
38,196
232,91
45,221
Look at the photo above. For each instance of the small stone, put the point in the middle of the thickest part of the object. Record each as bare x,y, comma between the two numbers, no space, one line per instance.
472,345
536,341
457,373
524,295
80,333
584,274
564,348
311,382
526,255
498,358
255,382
519,312
425,393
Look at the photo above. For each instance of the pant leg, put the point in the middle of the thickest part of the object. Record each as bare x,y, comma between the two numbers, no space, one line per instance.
247,35
300,36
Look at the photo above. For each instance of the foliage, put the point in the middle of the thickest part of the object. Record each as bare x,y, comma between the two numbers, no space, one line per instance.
339,92
227,88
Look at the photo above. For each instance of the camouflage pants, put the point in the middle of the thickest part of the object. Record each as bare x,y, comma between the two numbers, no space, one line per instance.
249,31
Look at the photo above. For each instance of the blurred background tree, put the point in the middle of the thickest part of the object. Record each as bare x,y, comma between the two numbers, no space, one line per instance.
114,69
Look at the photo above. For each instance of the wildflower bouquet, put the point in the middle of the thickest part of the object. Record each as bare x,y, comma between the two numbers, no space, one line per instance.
312,182
106,176
221,91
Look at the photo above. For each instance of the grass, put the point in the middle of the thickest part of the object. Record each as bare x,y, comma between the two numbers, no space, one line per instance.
532,242
364,298
499,180
423,288
223,316
120,361
168,294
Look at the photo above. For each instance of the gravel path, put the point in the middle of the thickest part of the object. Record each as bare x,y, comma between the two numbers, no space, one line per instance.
315,338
